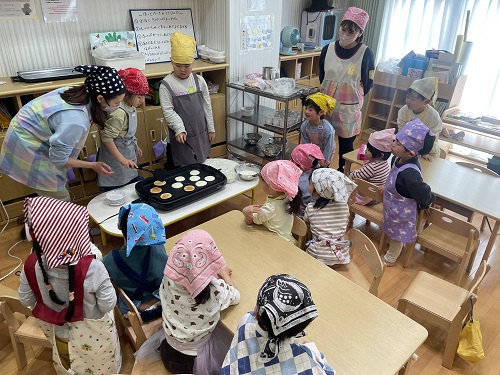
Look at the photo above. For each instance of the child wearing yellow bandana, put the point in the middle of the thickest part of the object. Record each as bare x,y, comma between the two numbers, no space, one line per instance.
317,130
186,107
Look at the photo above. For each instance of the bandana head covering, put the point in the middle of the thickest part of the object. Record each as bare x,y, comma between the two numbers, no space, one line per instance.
323,101
61,229
144,226
412,135
382,140
182,48
135,81
427,87
194,261
282,175
356,15
305,153
287,303
332,184
101,80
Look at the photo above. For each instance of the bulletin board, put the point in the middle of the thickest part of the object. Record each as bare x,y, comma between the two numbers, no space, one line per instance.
153,28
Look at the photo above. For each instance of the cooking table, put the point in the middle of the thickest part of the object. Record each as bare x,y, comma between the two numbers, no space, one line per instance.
357,332
460,186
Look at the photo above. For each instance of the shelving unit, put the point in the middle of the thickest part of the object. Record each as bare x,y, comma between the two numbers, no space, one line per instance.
389,94
237,146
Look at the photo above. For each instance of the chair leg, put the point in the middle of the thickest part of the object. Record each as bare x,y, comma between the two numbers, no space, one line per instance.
409,253
402,305
383,241
19,352
483,223
451,345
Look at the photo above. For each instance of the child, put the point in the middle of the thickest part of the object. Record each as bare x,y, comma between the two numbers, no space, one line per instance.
328,216
197,286
405,191
421,93
317,130
306,156
376,168
280,179
186,106
69,291
264,342
137,267
120,149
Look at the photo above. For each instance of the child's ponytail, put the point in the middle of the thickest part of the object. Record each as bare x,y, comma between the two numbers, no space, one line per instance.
294,205
52,294
71,282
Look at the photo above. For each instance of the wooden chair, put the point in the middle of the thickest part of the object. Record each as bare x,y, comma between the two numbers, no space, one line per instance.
362,245
299,229
442,154
21,333
449,236
374,213
442,303
135,329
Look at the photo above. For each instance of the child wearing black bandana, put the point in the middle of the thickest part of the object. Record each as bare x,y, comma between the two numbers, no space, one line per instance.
284,309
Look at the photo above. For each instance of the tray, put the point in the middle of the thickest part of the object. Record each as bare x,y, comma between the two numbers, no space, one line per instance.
180,197
44,75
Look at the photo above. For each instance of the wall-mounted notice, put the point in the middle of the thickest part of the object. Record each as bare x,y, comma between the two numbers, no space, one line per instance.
153,28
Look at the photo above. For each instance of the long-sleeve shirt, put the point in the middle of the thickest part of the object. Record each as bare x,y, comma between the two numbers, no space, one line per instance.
375,172
367,65
410,184
116,125
184,87
274,217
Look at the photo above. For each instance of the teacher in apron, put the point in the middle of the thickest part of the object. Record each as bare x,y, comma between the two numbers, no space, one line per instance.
186,107
45,137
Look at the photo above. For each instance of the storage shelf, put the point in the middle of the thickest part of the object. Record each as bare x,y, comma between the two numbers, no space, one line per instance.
299,91
382,101
259,118
378,116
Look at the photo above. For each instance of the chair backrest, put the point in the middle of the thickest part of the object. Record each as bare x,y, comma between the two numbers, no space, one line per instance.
449,223
299,228
10,305
477,168
368,189
362,245
481,272
134,318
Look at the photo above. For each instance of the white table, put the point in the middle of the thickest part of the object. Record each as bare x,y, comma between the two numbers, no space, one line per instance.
102,213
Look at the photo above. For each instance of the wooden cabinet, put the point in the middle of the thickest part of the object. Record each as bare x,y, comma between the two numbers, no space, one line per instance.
389,94
13,95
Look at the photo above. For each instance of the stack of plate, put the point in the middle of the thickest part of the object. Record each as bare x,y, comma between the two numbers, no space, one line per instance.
247,111
115,198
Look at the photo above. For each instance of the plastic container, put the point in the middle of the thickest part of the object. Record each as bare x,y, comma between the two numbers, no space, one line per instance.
414,67
138,62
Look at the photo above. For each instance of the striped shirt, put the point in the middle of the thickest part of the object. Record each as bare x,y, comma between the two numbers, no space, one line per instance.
375,172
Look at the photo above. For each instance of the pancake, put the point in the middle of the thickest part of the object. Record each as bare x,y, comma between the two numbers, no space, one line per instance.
165,195
201,183
177,185
155,190
180,178
209,178
194,172
189,188
159,183
194,178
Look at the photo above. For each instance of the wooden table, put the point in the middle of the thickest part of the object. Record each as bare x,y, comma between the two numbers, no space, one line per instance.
357,332
465,187
102,213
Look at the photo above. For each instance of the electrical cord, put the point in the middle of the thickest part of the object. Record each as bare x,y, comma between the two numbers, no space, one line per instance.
13,256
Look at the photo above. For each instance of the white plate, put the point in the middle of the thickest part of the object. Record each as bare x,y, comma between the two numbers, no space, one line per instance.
226,166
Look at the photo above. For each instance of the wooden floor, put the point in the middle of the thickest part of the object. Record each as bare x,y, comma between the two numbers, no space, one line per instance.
395,280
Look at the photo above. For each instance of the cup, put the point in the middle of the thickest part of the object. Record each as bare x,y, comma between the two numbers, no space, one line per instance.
276,121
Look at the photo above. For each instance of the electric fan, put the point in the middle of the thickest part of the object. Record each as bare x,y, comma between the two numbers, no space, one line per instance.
290,36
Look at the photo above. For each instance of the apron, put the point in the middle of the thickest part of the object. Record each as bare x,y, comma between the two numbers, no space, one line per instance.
128,148
400,213
316,135
330,251
343,82
189,107
94,347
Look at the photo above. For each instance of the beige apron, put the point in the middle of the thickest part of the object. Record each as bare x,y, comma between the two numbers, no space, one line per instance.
94,347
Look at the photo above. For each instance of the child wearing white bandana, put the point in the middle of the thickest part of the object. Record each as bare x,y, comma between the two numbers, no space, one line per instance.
264,342
328,216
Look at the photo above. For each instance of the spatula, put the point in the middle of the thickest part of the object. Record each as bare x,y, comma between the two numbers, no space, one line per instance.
159,173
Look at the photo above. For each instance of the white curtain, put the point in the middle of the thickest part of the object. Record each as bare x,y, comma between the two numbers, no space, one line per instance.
419,25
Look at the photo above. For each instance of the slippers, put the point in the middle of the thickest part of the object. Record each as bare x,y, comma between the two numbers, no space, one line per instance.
389,264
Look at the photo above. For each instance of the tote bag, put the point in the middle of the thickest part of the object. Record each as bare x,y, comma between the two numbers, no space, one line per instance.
470,342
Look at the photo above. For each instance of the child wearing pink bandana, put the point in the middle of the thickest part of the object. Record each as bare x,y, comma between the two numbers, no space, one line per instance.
280,179
196,287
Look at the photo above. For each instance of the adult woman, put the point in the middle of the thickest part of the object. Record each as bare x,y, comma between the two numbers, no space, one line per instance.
46,135
346,69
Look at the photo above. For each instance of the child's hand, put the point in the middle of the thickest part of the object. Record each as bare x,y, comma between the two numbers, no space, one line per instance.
211,137
427,157
181,138
101,168
128,163
325,163
427,212
139,152
248,212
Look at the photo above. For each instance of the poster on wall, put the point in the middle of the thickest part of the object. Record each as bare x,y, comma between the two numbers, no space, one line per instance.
59,10
153,28
17,9
256,32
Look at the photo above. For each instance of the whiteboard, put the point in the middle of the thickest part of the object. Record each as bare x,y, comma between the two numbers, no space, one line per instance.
153,28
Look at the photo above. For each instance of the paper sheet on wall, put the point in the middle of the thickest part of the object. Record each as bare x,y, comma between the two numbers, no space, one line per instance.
17,9
59,10
256,32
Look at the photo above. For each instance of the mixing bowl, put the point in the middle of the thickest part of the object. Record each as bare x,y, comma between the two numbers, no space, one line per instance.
271,150
247,171
275,140
252,138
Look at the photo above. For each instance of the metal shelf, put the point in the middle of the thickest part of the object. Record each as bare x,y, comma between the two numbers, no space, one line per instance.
299,91
259,117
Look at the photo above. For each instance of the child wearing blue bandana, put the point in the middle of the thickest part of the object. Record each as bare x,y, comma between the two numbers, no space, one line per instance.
137,267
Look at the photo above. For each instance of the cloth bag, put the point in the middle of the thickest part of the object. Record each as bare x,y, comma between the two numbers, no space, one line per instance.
470,341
